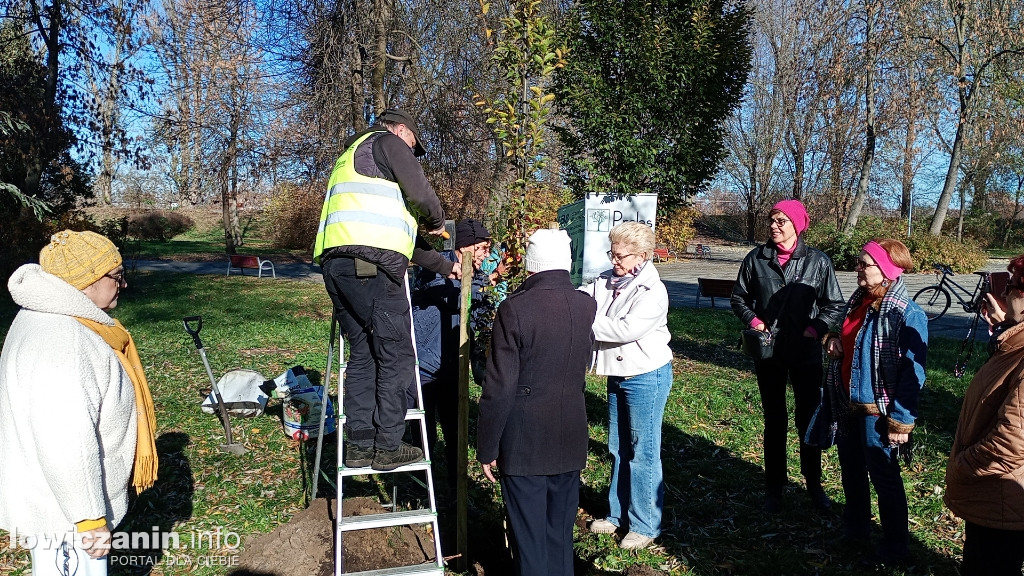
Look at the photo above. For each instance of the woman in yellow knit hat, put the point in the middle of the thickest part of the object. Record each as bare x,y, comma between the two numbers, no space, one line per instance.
76,415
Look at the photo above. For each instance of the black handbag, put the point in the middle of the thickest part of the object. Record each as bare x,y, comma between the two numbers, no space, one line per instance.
758,344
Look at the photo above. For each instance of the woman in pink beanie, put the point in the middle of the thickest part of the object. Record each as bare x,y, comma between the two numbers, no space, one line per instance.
788,287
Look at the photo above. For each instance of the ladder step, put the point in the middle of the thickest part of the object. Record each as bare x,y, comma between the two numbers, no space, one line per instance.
410,414
366,470
417,570
402,518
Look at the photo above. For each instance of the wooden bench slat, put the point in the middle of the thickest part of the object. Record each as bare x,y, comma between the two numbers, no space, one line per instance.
714,288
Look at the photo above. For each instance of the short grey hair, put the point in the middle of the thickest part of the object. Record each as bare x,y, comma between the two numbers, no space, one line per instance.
636,234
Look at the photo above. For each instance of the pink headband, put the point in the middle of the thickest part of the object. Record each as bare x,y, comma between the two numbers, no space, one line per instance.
885,264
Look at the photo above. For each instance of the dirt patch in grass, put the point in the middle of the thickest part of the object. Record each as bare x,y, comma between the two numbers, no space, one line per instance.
303,546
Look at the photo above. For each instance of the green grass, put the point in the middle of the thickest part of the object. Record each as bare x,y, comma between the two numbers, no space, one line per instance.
205,240
713,523
1011,252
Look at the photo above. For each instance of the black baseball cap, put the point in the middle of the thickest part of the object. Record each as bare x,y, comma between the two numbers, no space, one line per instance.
469,232
400,117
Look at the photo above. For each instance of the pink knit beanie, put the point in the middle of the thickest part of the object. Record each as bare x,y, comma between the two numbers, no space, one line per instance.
796,212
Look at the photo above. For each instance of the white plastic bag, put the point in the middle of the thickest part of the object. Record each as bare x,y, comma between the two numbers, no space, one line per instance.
241,392
302,403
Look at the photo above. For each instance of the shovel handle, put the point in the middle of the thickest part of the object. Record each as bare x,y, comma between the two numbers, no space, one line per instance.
194,333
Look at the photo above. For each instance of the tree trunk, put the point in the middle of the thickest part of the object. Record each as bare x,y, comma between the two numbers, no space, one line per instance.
797,149
381,24
869,126
229,191
952,173
51,37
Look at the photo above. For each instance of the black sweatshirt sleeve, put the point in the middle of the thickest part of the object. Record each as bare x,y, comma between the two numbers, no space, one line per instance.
396,161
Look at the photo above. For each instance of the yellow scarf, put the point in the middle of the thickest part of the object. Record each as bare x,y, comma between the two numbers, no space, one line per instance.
144,474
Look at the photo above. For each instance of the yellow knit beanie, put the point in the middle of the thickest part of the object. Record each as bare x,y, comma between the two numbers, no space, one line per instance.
79,258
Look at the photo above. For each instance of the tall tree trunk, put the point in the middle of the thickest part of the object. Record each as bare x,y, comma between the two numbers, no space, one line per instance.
383,10
869,124
952,172
50,33
229,190
797,149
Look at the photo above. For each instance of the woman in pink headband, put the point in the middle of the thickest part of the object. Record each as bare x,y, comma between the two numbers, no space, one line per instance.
873,382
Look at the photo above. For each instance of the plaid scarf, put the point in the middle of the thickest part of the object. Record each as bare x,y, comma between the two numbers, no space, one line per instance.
889,319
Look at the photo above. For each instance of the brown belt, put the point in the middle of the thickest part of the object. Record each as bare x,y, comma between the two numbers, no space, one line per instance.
865,409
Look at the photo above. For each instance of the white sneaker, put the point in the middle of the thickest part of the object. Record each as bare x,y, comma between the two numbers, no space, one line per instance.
634,541
602,527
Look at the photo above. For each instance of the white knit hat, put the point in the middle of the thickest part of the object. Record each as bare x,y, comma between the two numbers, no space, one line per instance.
548,250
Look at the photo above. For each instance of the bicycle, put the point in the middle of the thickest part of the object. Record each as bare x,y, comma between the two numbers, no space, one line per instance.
935,301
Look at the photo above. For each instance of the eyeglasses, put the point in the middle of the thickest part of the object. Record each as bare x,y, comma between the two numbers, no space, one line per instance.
117,277
862,265
780,222
619,258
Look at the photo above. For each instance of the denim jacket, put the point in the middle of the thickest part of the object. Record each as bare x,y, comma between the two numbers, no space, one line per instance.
894,384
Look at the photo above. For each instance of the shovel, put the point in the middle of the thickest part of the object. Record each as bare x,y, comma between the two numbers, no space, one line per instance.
231,447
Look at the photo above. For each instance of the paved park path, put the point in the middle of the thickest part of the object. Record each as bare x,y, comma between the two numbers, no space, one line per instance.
680,278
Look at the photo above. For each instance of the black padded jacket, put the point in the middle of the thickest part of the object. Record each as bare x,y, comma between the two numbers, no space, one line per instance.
807,288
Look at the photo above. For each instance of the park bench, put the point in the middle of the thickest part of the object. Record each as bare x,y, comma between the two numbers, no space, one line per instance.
714,288
242,261
702,251
663,255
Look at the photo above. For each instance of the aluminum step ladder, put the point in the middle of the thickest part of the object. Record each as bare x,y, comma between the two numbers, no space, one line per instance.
395,517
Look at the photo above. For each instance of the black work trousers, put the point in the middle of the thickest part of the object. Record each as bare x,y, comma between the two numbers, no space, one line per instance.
542,511
772,376
374,316
991,551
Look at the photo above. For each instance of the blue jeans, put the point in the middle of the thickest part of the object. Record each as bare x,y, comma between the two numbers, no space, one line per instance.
635,409
864,451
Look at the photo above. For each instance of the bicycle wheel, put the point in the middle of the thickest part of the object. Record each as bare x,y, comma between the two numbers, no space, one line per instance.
934,300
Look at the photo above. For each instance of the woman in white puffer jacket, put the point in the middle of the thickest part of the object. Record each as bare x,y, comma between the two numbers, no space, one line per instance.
631,349
72,411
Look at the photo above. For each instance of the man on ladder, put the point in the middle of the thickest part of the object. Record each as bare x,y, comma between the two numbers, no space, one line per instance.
367,234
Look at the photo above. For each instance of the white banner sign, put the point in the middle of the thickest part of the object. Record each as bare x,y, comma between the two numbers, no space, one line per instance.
588,222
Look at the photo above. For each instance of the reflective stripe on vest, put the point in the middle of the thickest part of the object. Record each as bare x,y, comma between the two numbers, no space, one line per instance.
363,211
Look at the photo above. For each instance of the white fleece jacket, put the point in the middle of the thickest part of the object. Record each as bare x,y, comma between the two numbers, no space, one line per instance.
631,331
67,412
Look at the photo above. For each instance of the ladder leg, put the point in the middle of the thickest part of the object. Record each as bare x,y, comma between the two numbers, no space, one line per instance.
323,410
395,517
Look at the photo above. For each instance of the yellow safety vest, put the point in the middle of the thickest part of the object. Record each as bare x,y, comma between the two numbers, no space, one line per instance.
363,211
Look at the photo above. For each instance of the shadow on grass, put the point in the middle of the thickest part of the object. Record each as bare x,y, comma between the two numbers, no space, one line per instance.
714,520
158,509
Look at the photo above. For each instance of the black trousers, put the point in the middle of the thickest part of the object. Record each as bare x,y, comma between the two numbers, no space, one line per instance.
542,511
771,383
992,552
375,318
